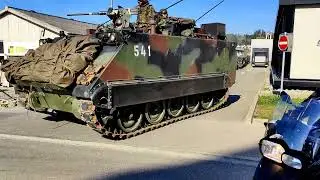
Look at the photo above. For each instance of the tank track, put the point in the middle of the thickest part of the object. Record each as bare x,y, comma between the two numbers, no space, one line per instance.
114,134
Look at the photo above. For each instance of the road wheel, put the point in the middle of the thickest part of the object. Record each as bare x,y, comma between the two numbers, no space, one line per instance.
129,119
192,104
207,101
175,107
155,112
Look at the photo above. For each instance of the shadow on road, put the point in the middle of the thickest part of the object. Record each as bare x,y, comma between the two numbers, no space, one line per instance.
232,99
260,67
61,116
220,168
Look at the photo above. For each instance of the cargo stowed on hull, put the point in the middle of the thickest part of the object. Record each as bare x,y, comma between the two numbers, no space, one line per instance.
140,81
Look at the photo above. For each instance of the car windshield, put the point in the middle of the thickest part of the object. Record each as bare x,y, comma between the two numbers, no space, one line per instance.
295,121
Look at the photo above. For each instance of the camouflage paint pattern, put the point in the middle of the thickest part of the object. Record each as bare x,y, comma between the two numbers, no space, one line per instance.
81,109
40,100
156,56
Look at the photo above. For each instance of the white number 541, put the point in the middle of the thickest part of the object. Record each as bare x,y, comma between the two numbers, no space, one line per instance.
140,50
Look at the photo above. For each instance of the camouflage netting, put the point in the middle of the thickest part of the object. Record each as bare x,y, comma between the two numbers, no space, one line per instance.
56,63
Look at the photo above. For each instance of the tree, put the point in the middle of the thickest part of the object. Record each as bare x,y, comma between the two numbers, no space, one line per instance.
258,34
247,39
232,37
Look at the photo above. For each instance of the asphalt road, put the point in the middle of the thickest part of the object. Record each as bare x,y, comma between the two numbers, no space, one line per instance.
25,159
217,145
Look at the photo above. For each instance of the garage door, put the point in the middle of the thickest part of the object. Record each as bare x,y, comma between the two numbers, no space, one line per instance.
305,60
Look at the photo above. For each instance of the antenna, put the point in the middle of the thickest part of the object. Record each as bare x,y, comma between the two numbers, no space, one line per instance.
174,4
111,4
209,10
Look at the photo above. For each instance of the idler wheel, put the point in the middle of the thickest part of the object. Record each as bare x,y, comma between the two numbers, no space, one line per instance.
192,104
129,119
207,101
155,112
175,107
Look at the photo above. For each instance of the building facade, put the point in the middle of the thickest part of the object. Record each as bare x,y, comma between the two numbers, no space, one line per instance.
22,30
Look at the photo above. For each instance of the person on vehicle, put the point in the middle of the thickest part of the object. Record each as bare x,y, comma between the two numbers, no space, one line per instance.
146,14
61,36
162,22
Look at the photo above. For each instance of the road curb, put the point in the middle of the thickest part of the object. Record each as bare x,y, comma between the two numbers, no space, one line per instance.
249,116
259,121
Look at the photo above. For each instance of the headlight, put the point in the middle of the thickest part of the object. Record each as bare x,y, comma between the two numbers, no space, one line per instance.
291,161
272,150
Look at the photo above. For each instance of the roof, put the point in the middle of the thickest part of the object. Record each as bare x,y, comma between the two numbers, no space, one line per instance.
298,2
53,23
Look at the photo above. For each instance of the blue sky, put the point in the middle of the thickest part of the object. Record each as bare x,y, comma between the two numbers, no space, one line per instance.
240,16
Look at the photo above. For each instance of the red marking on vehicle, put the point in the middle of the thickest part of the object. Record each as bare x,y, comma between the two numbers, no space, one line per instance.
116,71
193,70
159,43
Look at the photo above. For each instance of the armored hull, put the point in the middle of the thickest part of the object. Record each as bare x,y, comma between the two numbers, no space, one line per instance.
146,82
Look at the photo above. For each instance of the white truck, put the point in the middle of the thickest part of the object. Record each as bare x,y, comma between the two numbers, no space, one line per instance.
302,64
261,50
260,57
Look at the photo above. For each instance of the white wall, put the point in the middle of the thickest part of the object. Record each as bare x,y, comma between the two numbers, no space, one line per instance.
306,50
262,43
16,31
21,34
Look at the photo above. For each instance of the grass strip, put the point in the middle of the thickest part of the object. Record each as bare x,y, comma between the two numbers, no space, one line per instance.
266,105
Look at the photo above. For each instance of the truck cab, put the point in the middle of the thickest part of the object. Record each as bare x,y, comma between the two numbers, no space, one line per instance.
302,63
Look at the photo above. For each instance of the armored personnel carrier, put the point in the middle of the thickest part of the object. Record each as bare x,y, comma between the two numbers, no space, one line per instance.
123,82
243,57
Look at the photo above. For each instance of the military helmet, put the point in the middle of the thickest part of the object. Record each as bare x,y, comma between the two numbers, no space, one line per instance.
143,2
163,11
